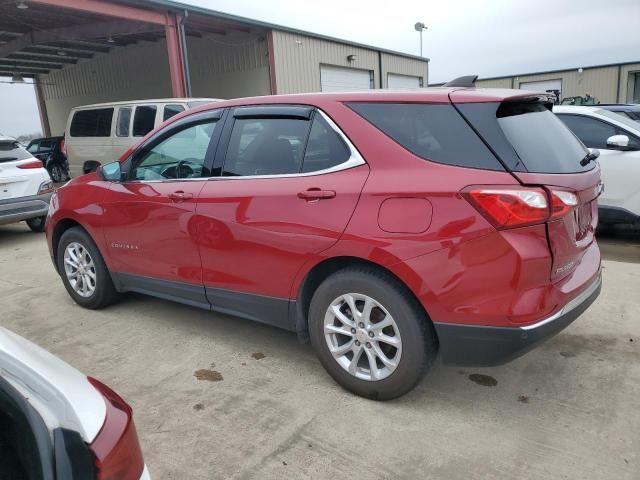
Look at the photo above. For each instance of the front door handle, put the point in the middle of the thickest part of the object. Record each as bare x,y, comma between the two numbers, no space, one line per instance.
316,194
180,196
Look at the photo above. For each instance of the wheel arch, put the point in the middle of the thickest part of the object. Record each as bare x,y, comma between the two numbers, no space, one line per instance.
321,271
58,230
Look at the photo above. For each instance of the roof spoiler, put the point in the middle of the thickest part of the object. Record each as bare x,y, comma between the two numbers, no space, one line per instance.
466,81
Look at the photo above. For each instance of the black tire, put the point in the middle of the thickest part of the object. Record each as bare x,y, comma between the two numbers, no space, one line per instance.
105,292
57,173
418,336
36,224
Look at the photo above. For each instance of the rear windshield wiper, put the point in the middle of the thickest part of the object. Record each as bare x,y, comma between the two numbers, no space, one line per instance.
589,157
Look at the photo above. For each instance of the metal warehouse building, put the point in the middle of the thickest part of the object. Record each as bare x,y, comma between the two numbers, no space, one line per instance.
614,83
91,51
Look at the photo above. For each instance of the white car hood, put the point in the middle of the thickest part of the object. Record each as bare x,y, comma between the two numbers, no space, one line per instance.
61,394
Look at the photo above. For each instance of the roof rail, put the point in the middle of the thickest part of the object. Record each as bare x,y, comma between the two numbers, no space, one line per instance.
466,81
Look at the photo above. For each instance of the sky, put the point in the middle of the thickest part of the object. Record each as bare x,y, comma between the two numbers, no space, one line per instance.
489,38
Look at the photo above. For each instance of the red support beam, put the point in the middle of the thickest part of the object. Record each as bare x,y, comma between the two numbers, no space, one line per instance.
103,7
272,63
176,56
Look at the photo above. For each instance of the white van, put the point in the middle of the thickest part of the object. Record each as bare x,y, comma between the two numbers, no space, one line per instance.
101,133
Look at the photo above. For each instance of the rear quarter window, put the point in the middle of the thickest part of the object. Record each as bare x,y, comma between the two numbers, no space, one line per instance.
92,123
435,132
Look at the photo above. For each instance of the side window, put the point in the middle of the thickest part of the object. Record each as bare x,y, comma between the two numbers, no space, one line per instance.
325,148
434,132
170,111
46,146
124,122
33,147
593,133
266,146
92,123
182,155
144,120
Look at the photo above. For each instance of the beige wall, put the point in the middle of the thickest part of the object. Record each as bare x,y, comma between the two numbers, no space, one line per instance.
298,59
625,70
601,82
495,83
237,67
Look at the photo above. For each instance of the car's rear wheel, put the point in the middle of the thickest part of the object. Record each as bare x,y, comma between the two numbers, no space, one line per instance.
36,224
370,333
57,173
83,271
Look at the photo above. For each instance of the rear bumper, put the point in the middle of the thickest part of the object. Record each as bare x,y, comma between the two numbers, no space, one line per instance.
17,209
471,345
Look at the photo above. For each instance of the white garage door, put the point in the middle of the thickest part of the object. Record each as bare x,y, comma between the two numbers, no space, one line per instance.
542,85
340,79
403,82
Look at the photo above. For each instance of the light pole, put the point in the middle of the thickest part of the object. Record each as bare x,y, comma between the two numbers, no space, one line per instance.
419,26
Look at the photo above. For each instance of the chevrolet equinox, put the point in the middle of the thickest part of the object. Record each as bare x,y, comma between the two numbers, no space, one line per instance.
389,228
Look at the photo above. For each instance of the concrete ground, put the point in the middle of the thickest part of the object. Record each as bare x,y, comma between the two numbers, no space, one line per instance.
219,397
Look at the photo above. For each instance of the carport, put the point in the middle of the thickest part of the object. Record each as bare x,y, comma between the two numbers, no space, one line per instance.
90,51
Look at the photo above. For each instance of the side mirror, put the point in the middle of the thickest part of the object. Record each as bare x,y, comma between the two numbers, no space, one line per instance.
111,172
618,142
595,153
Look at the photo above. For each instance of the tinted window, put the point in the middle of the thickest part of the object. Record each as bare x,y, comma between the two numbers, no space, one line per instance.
171,110
124,121
144,120
266,146
433,132
541,141
593,133
33,147
92,123
47,146
182,155
11,151
325,148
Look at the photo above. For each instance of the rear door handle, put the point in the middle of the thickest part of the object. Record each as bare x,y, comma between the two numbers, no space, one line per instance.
180,196
316,194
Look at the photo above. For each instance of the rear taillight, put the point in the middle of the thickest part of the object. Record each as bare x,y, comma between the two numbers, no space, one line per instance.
63,147
45,187
509,207
562,202
116,448
31,164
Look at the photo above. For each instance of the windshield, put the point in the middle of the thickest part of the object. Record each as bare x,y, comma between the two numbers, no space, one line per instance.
11,151
628,122
542,142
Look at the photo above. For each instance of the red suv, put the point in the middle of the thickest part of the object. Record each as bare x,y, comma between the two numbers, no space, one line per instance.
390,228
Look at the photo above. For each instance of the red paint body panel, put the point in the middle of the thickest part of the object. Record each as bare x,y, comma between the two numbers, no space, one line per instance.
254,235
258,236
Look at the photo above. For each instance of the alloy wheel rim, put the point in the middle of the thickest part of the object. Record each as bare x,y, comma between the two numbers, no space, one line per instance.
56,173
362,336
80,269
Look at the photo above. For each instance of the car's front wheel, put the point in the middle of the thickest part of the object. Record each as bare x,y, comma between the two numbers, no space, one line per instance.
370,334
83,271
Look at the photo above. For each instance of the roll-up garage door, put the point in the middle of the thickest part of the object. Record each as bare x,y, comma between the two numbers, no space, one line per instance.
403,82
340,79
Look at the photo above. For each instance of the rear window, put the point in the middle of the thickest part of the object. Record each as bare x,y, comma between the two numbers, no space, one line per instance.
542,142
10,151
526,136
434,132
92,123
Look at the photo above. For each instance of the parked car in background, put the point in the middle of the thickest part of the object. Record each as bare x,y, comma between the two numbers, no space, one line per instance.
630,110
586,100
100,133
50,150
25,186
58,424
379,224
617,137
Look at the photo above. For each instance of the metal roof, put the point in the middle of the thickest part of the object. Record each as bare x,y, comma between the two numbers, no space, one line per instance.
44,38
